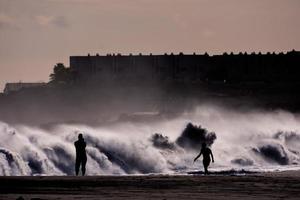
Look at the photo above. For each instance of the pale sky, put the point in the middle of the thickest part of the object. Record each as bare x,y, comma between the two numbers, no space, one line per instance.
36,34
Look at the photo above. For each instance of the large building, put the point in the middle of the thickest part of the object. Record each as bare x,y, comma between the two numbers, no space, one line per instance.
192,68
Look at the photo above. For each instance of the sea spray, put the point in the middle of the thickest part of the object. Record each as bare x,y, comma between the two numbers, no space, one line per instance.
253,141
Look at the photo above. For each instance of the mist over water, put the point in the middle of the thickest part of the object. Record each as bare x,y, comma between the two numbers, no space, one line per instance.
254,141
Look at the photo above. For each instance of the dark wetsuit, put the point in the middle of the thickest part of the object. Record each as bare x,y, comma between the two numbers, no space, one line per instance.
80,156
206,157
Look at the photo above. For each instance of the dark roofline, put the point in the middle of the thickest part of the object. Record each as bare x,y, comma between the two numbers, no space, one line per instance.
189,54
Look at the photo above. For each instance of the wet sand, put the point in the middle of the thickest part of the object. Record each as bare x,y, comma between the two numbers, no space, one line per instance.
281,185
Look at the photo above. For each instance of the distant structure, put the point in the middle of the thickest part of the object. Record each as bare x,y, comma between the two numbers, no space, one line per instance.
13,87
182,68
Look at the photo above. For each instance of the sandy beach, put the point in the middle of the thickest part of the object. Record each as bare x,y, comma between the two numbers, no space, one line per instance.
280,185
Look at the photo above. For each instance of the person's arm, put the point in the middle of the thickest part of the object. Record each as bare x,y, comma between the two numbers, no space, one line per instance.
212,156
198,156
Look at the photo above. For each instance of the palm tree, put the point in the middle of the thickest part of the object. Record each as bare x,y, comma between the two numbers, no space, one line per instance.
61,74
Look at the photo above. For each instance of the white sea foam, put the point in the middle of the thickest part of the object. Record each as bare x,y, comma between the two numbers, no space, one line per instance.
254,141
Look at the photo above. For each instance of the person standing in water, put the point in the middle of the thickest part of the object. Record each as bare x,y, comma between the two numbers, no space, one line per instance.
206,152
80,155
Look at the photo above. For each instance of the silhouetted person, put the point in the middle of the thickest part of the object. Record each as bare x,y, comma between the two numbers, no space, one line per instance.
80,154
206,152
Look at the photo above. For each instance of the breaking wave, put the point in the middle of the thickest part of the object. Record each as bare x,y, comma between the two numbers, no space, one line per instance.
252,141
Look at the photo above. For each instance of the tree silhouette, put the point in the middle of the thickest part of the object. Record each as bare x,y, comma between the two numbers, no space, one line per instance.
61,74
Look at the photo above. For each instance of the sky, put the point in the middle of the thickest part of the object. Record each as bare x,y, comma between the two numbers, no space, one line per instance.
37,34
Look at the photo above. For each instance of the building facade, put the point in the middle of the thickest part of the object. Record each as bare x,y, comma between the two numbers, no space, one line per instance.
192,68
13,87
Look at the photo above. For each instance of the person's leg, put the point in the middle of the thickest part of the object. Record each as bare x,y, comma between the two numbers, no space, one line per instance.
83,163
206,164
77,165
205,169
